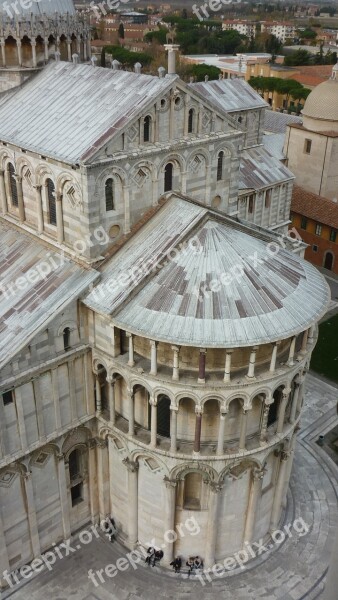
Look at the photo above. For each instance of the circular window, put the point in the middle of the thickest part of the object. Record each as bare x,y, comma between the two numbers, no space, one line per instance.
114,231
178,103
164,104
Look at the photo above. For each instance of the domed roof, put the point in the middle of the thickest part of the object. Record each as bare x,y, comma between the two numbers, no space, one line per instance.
322,103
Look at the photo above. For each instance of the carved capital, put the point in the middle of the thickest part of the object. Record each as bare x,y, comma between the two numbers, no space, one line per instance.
170,483
215,486
131,465
102,443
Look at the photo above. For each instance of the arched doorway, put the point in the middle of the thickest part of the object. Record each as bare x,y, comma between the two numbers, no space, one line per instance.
328,261
163,416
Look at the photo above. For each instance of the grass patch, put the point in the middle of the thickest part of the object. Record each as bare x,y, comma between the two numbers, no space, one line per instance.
325,356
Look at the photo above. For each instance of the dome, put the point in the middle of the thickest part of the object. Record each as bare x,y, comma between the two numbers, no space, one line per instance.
322,103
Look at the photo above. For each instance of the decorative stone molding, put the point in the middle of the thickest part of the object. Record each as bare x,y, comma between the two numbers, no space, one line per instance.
131,465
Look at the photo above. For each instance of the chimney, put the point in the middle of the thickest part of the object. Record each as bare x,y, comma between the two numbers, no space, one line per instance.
115,65
161,72
57,56
172,49
137,68
93,60
192,79
75,58
206,78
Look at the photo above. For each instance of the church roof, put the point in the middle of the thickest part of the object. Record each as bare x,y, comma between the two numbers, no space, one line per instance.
275,122
224,287
39,7
69,111
258,169
35,285
231,95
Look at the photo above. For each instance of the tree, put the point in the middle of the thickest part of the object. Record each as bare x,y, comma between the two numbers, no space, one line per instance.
200,71
103,57
121,31
299,57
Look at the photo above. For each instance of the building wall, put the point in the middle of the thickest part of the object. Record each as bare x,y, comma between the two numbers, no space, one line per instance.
322,242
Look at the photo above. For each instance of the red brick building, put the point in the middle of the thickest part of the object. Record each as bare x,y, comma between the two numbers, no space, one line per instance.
316,220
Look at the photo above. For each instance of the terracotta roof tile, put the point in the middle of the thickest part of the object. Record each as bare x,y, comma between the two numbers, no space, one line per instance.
314,207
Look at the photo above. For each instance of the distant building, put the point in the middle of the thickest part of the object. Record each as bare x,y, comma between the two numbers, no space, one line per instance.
247,28
312,150
280,30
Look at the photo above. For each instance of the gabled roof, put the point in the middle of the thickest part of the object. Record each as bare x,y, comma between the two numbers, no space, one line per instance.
69,111
39,7
28,301
258,169
276,122
272,295
229,94
320,209
274,144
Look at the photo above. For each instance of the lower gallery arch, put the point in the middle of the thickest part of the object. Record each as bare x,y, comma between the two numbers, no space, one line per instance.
151,501
191,514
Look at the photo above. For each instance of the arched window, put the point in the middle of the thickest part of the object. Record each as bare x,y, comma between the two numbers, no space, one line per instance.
168,177
191,120
76,478
220,162
147,129
192,491
66,338
109,194
51,201
13,185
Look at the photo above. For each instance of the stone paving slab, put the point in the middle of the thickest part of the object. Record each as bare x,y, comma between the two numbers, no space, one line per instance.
293,570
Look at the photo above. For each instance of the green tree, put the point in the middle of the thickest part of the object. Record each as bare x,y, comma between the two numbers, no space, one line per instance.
299,57
103,57
200,71
121,31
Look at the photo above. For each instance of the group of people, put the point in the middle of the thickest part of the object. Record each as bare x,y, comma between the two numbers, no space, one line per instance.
193,563
153,556
109,528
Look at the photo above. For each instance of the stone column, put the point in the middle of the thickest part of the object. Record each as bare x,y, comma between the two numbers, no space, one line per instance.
21,205
254,496
69,50
131,362
176,368
291,361
305,337
4,560
311,335
153,432
18,45
198,428
64,499
93,484
98,394
33,44
46,44
39,409
201,366
72,391
300,393
227,368
31,514
208,185
59,219
56,398
213,525
103,477
252,362
242,435
221,429
184,176
132,501
85,47
3,195
21,419
264,426
274,357
112,416
278,496
282,407
131,418
126,196
294,402
3,52
153,357
169,520
39,210
173,428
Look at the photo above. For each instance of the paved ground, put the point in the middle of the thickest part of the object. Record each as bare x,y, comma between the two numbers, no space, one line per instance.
294,570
